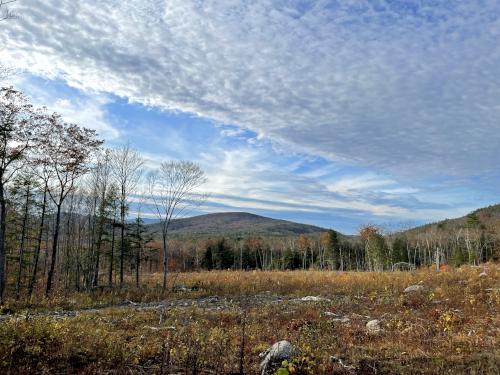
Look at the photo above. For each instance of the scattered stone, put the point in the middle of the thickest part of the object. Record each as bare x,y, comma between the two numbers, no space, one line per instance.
358,316
373,326
414,288
329,313
274,355
314,299
169,328
350,369
182,288
341,320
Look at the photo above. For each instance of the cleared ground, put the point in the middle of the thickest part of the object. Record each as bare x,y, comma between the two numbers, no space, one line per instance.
451,326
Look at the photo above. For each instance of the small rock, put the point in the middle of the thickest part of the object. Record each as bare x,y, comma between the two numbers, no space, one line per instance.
373,326
329,313
358,316
414,288
169,328
273,356
182,288
483,274
341,320
348,368
313,299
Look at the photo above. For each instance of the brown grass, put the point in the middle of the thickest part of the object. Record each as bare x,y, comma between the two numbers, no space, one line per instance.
452,327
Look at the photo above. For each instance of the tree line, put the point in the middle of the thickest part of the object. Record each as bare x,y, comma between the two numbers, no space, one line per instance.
369,250
72,217
65,202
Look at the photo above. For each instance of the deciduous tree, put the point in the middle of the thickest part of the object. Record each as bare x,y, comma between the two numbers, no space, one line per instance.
127,171
64,153
173,189
17,126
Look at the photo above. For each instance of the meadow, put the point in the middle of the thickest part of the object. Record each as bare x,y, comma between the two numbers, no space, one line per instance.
218,322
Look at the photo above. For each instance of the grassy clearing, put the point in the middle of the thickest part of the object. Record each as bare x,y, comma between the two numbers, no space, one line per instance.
452,327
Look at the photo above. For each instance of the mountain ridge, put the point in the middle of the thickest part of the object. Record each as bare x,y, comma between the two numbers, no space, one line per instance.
485,218
235,224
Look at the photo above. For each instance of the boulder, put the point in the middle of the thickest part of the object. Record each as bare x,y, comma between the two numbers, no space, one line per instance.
373,326
275,355
414,288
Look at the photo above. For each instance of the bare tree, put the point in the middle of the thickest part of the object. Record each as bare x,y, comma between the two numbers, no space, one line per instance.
114,207
101,185
16,137
173,189
126,169
23,188
64,154
39,239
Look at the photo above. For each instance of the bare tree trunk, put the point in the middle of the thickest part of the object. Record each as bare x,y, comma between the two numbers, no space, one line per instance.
3,229
95,283
137,265
437,258
79,247
341,260
55,240
46,257
67,263
111,254
122,240
165,261
38,243
21,248
100,231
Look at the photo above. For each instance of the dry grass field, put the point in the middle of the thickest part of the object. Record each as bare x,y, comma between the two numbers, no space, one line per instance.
218,323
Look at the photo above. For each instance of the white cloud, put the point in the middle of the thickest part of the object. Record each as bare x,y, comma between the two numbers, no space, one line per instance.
85,110
88,113
404,87
359,183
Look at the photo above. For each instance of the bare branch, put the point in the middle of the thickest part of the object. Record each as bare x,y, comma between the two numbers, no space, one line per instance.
173,191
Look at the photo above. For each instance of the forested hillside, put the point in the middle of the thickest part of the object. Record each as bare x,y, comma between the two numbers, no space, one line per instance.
471,239
235,224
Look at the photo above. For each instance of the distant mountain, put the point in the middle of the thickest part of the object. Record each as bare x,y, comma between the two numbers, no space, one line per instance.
487,218
235,224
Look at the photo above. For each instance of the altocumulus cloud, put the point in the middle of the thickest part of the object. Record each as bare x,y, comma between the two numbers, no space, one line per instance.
399,85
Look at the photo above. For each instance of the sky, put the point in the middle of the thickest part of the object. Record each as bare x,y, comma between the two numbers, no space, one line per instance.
333,113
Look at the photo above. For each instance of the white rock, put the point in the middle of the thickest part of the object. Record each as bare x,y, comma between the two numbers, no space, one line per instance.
373,326
313,299
483,274
276,354
414,288
329,313
341,320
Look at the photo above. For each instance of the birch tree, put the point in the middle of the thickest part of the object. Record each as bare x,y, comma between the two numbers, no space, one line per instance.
173,190
127,170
